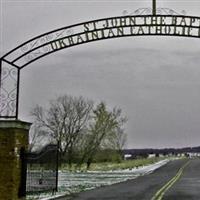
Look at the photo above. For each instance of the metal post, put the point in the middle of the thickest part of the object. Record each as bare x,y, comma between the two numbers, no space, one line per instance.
57,165
0,78
22,189
154,7
17,97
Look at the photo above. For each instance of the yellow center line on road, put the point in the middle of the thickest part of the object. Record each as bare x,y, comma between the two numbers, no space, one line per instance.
160,193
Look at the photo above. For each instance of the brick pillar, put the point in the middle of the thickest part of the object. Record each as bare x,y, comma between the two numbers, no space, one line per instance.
13,138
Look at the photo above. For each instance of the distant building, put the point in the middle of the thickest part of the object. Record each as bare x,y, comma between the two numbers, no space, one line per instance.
191,155
152,155
127,156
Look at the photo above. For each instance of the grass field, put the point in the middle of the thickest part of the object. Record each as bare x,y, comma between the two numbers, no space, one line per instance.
108,166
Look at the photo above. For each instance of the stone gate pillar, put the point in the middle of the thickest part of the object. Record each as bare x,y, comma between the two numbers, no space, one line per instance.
13,139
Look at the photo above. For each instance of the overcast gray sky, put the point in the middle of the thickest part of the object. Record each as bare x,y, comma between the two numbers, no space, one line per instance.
155,80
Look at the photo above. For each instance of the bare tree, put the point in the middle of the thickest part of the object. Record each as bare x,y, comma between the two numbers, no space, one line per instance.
37,137
102,127
65,119
116,140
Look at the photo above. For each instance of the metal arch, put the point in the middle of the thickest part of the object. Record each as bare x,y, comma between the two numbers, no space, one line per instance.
43,55
55,30
12,62
46,40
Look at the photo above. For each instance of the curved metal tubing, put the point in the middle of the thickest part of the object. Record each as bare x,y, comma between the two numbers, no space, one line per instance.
13,62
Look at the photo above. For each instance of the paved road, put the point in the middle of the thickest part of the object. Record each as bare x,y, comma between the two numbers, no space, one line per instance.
188,186
178,180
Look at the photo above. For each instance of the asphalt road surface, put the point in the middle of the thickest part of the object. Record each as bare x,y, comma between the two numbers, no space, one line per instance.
177,180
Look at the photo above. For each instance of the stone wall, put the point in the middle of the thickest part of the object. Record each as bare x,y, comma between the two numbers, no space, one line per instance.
13,136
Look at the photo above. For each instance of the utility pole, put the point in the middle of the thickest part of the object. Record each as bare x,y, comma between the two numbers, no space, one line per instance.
154,7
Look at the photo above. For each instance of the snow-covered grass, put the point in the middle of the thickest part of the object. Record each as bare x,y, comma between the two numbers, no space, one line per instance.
73,182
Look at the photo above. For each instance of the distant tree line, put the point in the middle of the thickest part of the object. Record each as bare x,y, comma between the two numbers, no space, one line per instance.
85,132
163,151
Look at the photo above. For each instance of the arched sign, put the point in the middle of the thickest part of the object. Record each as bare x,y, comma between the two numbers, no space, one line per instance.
90,31
101,29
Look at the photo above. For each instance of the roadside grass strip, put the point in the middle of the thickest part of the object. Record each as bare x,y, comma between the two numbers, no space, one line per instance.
159,195
72,182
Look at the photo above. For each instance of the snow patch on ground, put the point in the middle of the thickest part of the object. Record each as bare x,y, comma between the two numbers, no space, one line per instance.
69,182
